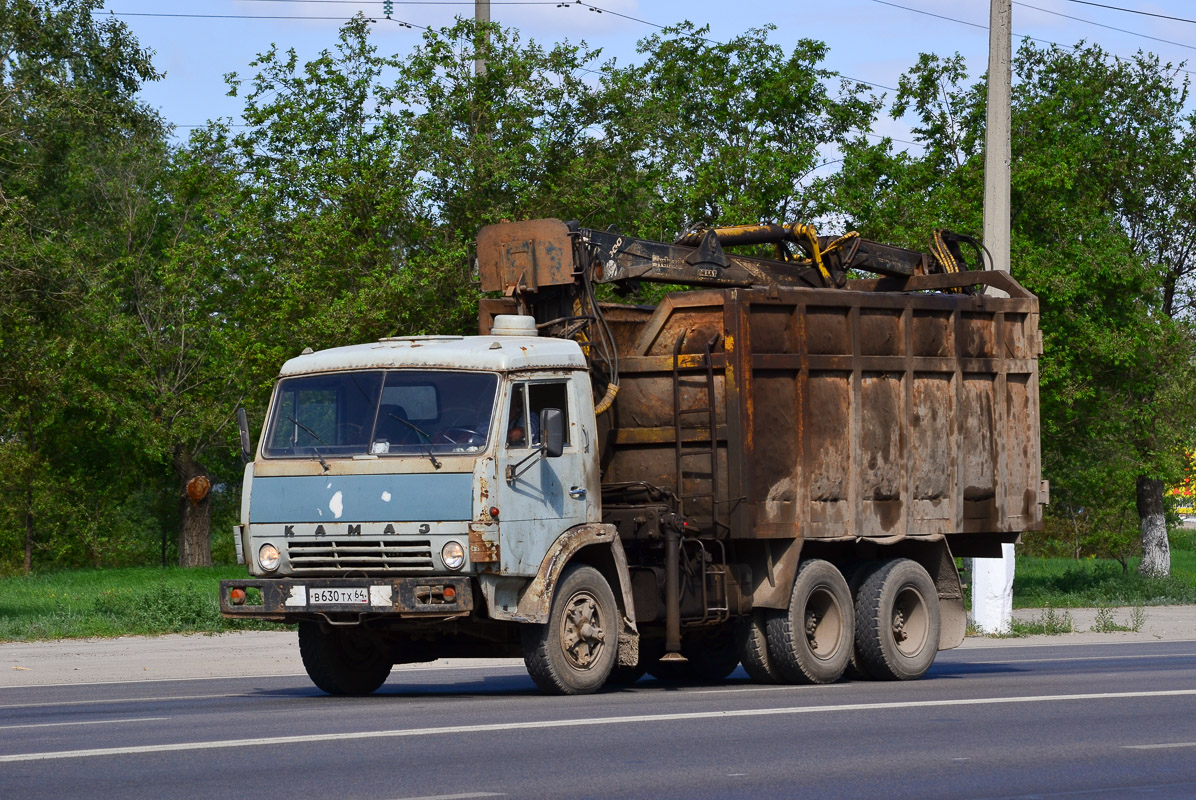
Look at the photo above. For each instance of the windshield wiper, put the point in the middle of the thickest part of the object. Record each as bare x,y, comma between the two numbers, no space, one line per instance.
313,435
427,440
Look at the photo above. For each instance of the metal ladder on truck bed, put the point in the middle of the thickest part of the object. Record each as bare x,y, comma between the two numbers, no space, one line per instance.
714,602
707,450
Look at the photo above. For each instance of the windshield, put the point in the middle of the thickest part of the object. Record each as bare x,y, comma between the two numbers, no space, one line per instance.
396,412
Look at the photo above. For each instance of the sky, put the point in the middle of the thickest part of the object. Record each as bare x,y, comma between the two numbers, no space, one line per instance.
870,40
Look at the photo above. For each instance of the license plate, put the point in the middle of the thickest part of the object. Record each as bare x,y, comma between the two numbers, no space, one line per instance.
338,596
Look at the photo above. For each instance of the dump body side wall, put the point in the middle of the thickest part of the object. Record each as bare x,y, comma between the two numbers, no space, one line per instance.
838,414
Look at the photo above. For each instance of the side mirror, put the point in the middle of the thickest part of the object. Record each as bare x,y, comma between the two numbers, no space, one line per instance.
243,426
552,431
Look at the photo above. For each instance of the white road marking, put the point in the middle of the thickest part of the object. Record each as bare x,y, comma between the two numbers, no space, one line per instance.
87,722
398,670
750,688
581,723
1159,746
463,796
1074,658
124,700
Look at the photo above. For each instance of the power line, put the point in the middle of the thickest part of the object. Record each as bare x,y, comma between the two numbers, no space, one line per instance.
985,27
341,18
1102,25
1134,11
97,12
418,2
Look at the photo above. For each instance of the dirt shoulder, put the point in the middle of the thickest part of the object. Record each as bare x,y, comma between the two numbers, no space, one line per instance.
267,653
1161,623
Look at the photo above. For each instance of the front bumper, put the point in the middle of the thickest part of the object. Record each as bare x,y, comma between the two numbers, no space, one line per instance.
292,599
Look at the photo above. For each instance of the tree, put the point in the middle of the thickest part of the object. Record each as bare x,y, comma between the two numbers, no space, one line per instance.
1101,232
67,102
727,133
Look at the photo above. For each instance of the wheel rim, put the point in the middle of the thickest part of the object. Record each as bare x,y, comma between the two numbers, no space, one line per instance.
356,651
823,624
911,621
582,636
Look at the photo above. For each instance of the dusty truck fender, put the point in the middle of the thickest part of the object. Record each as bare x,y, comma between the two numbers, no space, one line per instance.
596,544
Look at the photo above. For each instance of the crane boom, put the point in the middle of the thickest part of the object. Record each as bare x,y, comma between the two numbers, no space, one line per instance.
526,257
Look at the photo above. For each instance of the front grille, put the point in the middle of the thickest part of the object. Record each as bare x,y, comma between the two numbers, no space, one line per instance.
341,556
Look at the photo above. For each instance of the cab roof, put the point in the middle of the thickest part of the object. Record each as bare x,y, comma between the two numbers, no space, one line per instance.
489,353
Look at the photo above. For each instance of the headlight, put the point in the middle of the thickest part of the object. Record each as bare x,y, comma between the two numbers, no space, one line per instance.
267,557
453,555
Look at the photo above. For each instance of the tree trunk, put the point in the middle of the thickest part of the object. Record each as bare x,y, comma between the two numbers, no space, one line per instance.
1156,551
28,530
195,512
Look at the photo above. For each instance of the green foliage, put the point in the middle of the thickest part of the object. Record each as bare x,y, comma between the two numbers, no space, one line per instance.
1102,232
1094,583
727,133
1048,622
72,136
116,602
1105,622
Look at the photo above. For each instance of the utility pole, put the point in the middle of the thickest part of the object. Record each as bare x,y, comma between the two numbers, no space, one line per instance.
481,16
992,578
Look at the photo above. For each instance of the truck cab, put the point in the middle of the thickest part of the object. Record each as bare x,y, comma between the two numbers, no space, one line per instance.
414,483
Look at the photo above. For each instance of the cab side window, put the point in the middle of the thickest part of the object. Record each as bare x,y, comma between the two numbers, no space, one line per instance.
517,431
549,395
527,401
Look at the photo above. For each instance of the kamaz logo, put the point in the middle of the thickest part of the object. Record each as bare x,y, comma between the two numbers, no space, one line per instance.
288,531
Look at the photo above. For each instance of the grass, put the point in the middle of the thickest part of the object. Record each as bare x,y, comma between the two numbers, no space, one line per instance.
1048,622
116,602
1097,583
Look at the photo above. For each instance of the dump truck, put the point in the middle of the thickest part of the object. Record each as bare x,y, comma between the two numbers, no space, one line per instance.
777,465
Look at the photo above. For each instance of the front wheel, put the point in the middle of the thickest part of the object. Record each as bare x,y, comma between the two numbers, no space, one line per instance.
575,652
342,662
811,641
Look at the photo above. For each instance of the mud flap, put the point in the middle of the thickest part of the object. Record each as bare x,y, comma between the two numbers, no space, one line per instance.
518,600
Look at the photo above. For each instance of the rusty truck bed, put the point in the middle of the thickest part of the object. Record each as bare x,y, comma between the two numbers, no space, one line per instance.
851,414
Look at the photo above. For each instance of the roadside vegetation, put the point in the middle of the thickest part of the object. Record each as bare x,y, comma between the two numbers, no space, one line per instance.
1091,582
116,602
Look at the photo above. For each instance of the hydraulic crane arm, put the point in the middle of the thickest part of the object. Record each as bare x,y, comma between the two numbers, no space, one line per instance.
523,257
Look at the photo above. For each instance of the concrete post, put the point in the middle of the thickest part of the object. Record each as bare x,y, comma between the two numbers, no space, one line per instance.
481,15
992,578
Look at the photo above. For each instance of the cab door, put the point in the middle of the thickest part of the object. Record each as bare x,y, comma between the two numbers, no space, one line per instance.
540,497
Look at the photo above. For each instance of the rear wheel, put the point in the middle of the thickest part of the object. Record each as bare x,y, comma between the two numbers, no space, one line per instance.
342,662
575,652
897,621
751,641
811,641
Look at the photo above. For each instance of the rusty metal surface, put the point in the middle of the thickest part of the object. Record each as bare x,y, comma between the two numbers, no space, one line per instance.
529,255
844,414
483,549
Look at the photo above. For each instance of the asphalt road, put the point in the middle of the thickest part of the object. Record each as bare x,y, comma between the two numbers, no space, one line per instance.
1066,721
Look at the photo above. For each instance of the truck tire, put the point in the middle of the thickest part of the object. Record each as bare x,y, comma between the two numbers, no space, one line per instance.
575,652
342,662
811,641
751,641
855,575
897,621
